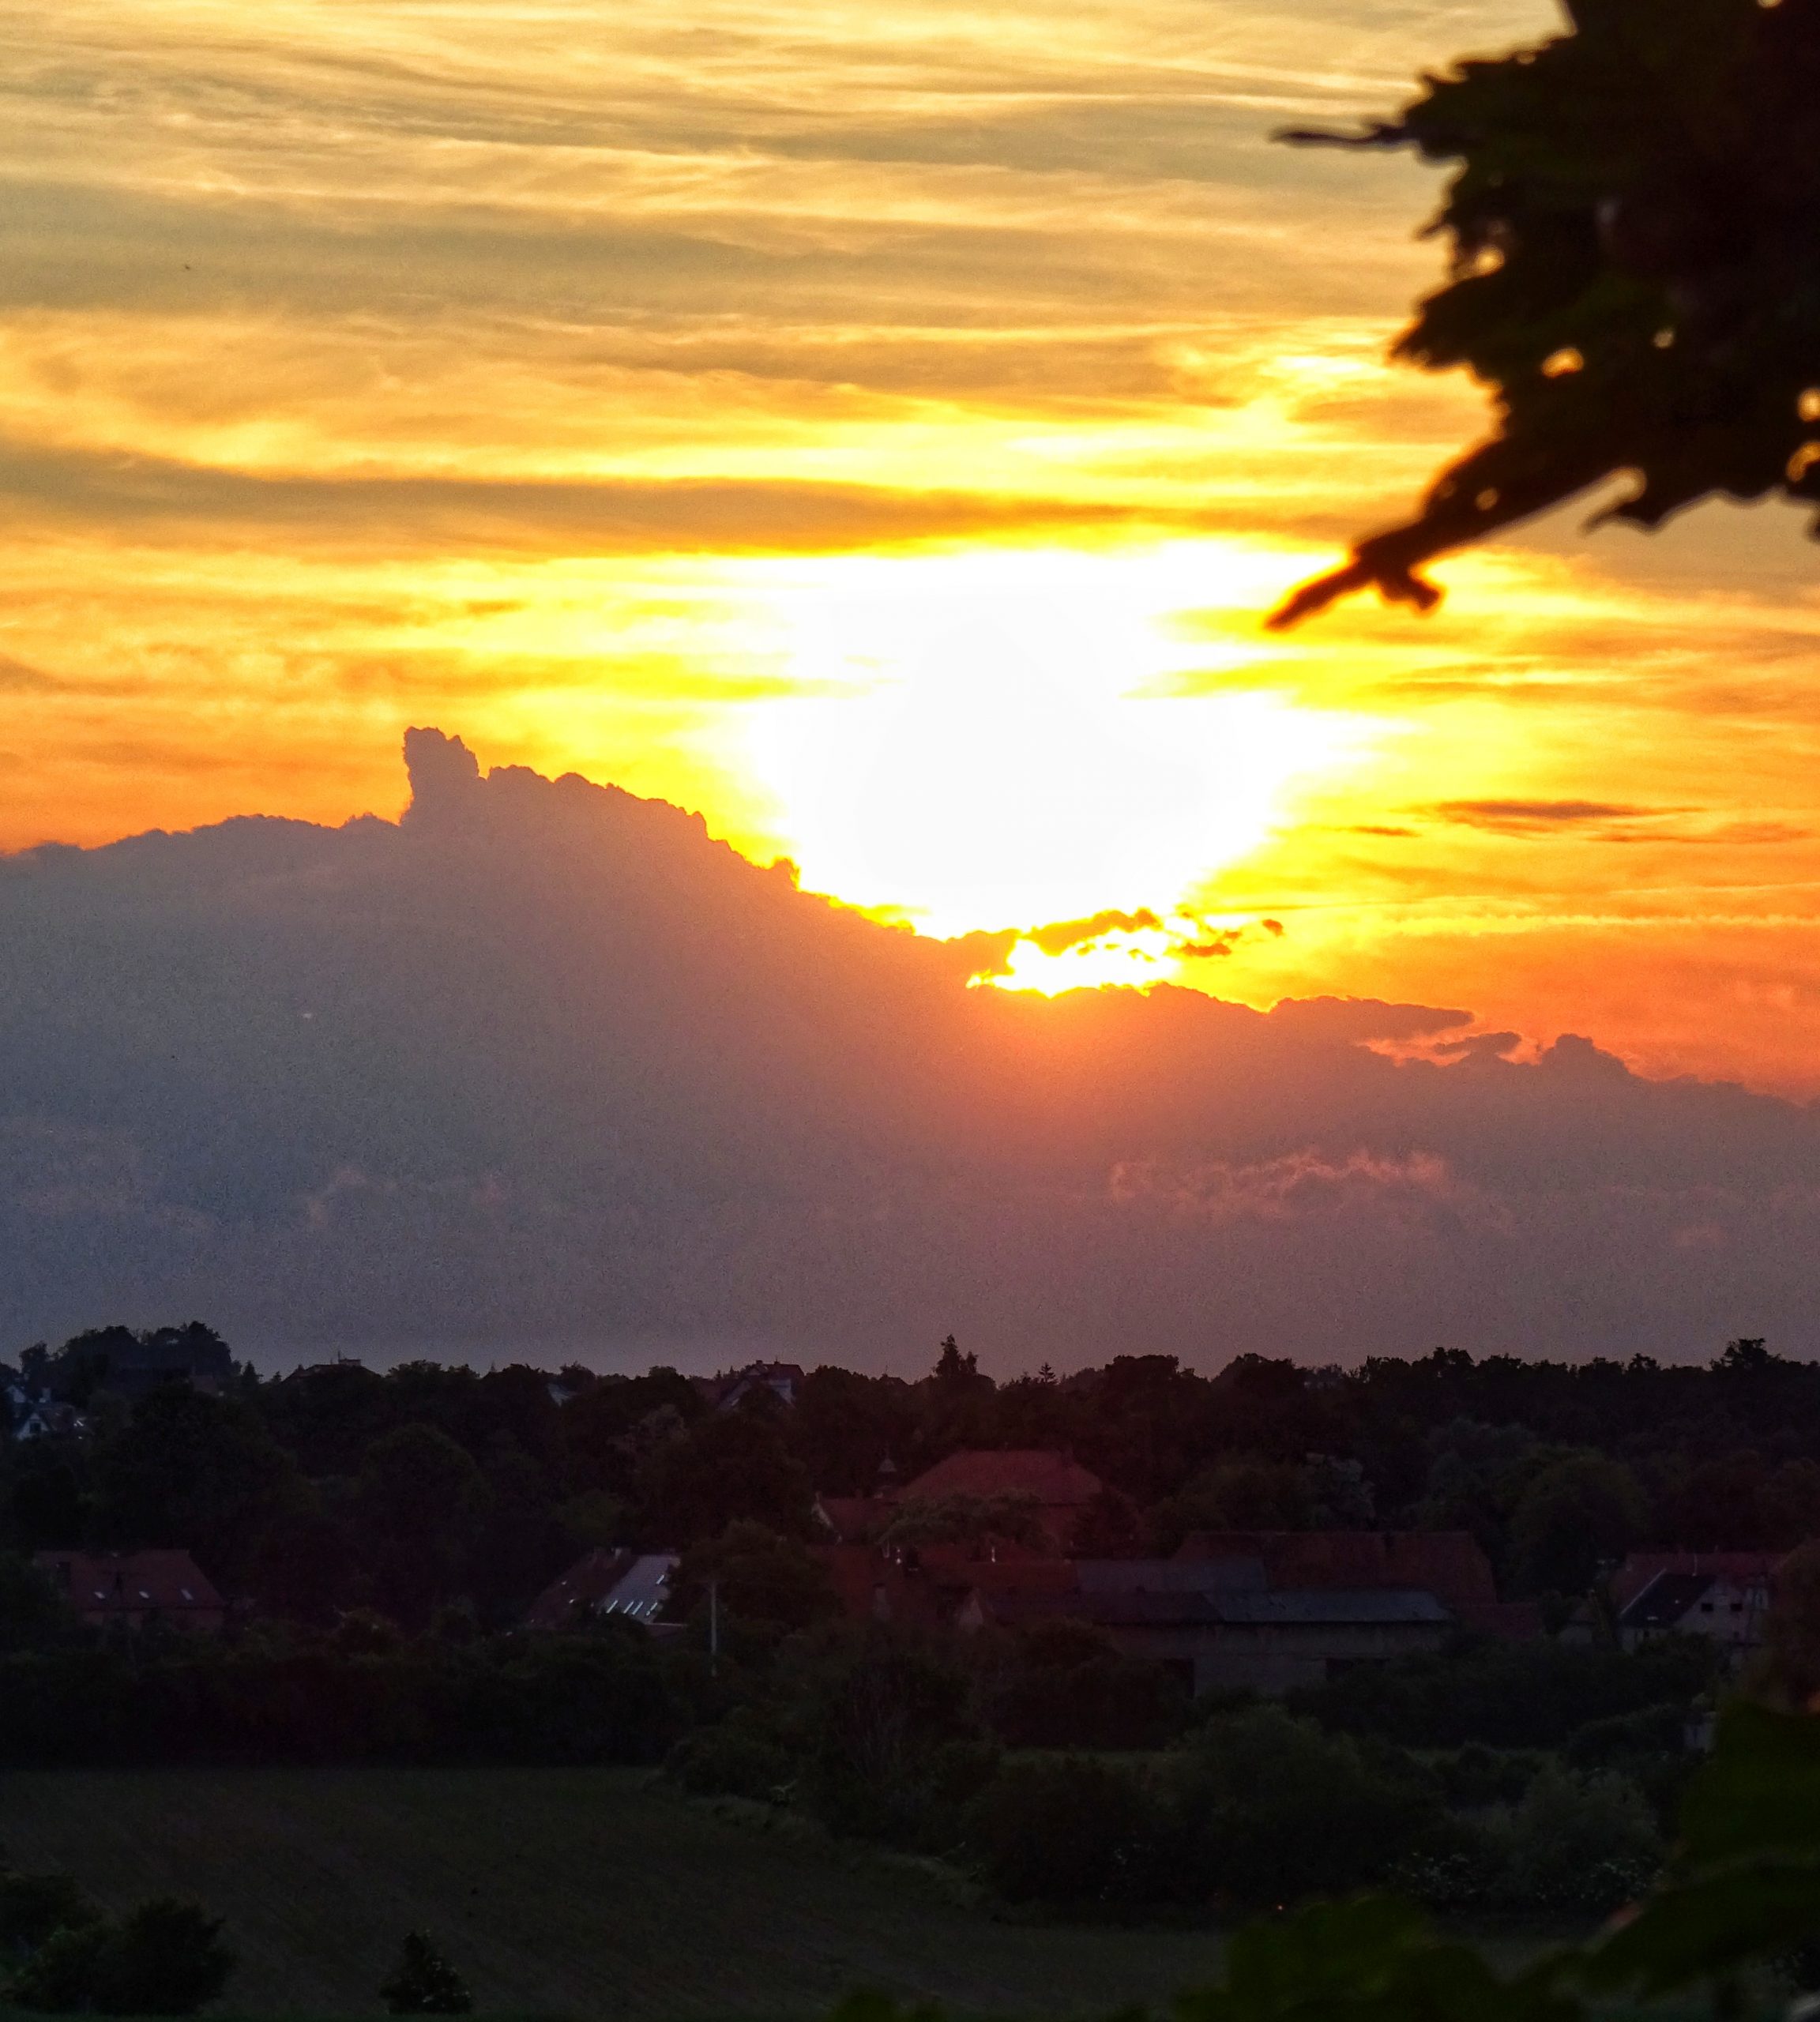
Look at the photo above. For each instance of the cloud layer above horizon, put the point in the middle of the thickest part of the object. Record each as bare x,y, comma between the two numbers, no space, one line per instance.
881,429
543,1068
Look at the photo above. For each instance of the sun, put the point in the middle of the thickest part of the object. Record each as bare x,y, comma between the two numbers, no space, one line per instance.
1008,738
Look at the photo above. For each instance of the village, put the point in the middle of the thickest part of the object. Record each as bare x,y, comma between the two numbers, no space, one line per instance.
1129,1643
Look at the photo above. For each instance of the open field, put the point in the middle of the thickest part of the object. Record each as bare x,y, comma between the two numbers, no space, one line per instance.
574,1893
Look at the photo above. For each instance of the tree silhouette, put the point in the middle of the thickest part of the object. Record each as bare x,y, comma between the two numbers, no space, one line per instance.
952,1366
423,1982
1634,236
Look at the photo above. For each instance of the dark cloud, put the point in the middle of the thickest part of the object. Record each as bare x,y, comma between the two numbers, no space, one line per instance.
542,1063
1528,816
1609,822
1480,1046
19,677
389,516
1061,935
1365,1018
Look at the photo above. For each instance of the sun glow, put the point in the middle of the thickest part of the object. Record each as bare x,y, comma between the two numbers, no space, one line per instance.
1013,738
1176,949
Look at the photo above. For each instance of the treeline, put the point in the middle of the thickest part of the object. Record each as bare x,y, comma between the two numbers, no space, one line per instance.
338,1487
1059,1772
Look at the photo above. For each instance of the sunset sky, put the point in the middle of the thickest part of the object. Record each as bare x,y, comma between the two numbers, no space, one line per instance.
882,428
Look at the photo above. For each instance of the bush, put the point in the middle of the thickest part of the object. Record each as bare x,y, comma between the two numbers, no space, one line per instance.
58,1978
423,1982
1475,1776
1652,1730
878,1707
1062,1685
1281,1811
741,1757
33,1907
1584,1847
601,1697
1506,1695
1459,1864
770,1584
164,1958
1075,1833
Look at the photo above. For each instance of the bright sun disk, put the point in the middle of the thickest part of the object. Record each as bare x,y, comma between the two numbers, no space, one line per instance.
1006,739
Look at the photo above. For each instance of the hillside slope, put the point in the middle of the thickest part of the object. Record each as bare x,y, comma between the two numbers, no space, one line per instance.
580,1892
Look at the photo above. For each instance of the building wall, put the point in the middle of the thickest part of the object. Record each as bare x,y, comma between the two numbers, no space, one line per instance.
1276,1659
1731,1613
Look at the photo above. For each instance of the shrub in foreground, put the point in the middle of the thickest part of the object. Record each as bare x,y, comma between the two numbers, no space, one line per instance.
1584,1847
166,1957
740,1758
1075,1834
423,1982
1281,1811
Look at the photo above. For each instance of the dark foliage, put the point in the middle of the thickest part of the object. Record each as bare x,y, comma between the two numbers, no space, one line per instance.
1506,1695
34,1907
1632,231
1062,1685
893,1744
165,1957
1078,1834
423,1982
362,1693
1281,1811
336,1488
768,1585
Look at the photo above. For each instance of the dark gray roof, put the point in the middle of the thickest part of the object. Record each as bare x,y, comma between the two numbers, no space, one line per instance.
1333,1606
644,1589
1171,1575
1110,1609
1305,1607
1665,1601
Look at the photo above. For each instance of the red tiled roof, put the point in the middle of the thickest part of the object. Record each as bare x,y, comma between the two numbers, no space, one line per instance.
1053,1480
873,1587
1004,1566
855,1572
169,1583
926,1585
1447,1564
1641,1567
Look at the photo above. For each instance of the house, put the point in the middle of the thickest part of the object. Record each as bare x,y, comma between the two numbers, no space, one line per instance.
1638,1569
1729,1606
36,1416
926,1584
136,1587
782,1379
1217,1623
1055,1485
1450,1565
634,1585
1270,1611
